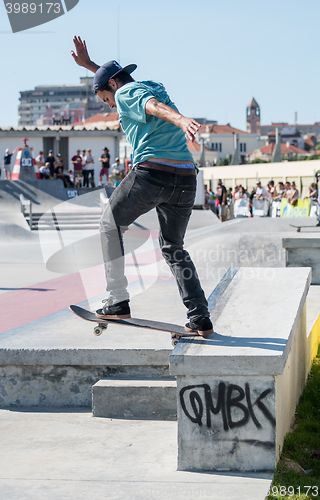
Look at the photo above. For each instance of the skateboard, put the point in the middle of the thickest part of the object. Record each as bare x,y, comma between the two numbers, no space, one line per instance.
177,331
298,228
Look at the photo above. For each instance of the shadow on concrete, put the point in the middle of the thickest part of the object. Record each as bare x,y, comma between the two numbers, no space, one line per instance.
216,339
31,289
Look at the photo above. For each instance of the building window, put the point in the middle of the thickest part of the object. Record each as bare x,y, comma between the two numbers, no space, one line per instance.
243,147
216,146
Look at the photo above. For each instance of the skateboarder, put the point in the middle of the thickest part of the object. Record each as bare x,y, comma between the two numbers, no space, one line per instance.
163,177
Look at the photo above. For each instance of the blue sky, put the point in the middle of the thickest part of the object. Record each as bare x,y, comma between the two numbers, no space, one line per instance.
212,56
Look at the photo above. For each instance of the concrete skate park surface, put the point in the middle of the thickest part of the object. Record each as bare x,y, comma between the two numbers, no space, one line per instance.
82,455
69,455
44,194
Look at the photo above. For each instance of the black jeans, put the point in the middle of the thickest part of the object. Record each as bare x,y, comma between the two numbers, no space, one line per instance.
173,196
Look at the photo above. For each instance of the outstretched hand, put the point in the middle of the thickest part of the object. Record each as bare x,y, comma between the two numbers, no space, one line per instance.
190,127
81,55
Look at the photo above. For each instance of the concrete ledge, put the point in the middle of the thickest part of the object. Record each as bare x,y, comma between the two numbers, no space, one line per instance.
60,386
85,357
304,251
143,399
305,241
238,389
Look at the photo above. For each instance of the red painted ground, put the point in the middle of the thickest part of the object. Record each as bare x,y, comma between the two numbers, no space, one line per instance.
20,307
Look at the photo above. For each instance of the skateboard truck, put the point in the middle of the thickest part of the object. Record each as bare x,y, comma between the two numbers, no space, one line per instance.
98,330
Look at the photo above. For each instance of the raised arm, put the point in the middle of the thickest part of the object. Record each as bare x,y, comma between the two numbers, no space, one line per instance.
81,56
164,112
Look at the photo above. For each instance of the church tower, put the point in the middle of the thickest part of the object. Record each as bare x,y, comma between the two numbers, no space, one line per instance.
253,117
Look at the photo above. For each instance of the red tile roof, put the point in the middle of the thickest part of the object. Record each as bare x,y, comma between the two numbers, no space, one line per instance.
195,147
268,150
103,117
219,129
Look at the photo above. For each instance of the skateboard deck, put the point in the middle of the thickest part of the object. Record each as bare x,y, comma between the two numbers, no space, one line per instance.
298,228
177,331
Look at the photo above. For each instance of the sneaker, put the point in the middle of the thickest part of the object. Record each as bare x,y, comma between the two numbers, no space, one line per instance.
318,224
203,327
121,310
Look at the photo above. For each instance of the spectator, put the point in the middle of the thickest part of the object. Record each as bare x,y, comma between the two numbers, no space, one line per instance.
105,165
40,161
52,161
287,188
45,171
222,198
84,168
251,196
76,160
236,193
229,194
59,163
206,197
272,190
117,170
281,191
242,193
261,192
58,172
292,194
71,177
90,163
211,200
313,193
7,163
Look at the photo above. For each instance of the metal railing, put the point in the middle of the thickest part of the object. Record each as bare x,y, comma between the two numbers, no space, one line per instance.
24,203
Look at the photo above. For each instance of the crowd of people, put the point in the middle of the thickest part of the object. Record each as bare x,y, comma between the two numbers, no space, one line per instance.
80,175
219,202
82,172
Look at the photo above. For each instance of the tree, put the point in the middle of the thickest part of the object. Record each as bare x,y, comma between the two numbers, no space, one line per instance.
223,162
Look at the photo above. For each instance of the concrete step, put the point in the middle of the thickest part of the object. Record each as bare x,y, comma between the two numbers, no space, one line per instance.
69,215
135,398
64,222
67,227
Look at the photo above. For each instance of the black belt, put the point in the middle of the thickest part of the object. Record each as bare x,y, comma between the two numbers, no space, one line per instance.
166,168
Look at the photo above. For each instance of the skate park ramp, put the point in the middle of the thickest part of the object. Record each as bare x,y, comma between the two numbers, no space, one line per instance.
45,194
13,227
254,242
198,219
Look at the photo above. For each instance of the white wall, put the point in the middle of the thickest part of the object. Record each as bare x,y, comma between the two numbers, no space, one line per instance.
302,172
227,142
12,143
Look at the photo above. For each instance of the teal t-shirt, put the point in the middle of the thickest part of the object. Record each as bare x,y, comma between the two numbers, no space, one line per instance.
148,135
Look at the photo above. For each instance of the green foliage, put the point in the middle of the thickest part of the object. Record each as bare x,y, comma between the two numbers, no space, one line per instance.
258,160
313,157
223,162
302,446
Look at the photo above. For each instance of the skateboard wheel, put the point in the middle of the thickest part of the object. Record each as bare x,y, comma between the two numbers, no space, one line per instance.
97,330
175,339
